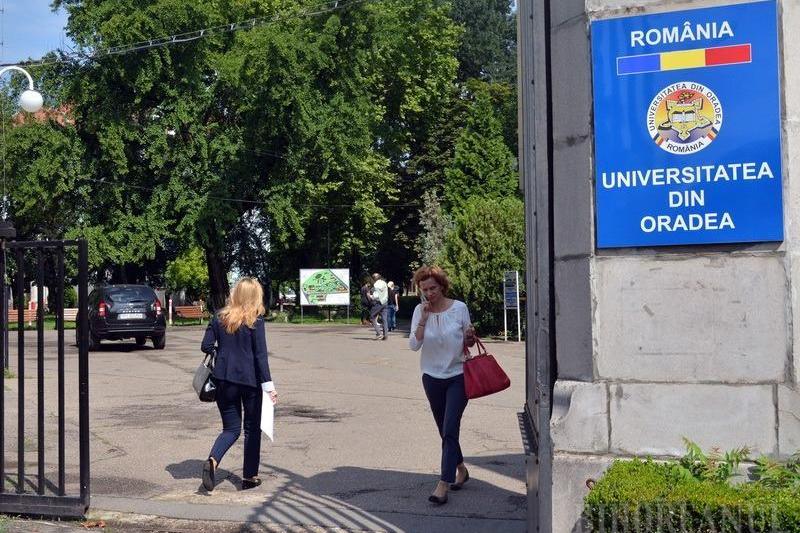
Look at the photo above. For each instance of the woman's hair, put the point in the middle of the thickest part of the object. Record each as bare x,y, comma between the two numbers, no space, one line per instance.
435,272
244,305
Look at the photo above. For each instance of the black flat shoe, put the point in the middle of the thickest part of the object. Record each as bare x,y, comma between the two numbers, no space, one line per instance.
437,500
459,485
250,483
208,475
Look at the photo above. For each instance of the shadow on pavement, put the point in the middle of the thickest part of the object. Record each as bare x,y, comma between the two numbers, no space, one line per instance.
379,499
193,468
510,465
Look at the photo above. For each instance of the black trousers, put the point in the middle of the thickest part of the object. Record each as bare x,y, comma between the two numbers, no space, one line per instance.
448,401
231,398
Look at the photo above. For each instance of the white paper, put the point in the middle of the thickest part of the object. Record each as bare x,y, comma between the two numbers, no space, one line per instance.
267,415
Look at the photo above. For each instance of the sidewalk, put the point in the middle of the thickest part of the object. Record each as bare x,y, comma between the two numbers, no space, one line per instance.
356,447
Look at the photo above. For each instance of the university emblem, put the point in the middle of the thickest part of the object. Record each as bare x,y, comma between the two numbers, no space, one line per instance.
684,118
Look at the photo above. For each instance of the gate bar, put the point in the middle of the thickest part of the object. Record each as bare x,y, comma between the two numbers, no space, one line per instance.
3,324
60,325
83,368
40,363
21,370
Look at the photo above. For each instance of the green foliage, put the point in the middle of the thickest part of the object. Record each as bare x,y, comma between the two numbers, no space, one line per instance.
488,238
272,148
188,271
482,165
488,47
776,474
70,297
436,224
649,497
714,466
45,165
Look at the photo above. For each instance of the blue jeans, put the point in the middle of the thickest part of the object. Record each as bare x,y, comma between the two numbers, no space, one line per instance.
231,398
448,400
392,317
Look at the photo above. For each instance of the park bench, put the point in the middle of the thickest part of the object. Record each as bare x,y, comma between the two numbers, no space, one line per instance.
13,315
71,313
190,311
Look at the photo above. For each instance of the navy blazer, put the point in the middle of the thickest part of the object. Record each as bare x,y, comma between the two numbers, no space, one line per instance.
241,356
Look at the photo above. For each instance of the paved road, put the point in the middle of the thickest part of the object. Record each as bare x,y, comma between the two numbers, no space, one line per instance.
356,446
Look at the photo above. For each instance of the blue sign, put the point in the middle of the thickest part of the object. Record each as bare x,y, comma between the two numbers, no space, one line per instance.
687,127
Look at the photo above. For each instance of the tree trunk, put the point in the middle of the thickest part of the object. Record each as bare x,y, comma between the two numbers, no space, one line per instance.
217,280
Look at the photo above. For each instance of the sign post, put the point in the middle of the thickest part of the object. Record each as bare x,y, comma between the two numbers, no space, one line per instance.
324,287
687,127
511,301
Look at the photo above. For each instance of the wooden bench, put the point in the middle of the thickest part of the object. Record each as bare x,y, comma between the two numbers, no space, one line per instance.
190,311
13,316
71,313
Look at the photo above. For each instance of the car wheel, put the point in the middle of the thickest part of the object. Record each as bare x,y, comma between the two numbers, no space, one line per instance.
140,341
159,341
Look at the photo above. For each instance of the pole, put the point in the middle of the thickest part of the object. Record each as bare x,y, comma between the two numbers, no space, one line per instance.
505,311
519,321
169,310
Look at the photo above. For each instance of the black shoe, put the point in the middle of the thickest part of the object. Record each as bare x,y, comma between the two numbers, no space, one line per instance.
208,475
437,500
250,483
457,486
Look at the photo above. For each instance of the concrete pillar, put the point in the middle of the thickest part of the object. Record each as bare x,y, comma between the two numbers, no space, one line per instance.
656,344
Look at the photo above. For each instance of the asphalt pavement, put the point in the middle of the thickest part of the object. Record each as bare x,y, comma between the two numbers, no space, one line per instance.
355,449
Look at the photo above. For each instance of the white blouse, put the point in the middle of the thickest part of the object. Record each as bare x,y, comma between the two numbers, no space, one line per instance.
443,343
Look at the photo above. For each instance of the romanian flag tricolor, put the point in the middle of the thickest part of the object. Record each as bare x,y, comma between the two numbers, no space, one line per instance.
685,59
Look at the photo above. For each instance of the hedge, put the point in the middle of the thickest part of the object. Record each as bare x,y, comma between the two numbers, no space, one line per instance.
649,497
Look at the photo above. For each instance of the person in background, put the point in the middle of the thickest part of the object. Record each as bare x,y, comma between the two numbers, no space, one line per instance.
394,305
380,302
366,301
441,327
241,372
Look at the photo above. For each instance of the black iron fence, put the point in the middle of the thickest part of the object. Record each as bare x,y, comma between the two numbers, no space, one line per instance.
43,261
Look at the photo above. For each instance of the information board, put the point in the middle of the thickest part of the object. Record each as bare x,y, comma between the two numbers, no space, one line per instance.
324,286
510,289
687,127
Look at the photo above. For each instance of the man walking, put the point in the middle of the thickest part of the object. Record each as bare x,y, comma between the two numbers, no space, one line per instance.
380,299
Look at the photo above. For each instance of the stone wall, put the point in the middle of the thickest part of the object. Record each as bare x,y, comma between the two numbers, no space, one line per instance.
654,345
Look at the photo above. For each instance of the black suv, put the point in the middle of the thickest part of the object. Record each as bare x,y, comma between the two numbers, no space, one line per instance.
124,312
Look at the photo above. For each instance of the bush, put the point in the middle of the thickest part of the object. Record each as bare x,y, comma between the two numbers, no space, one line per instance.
488,239
648,497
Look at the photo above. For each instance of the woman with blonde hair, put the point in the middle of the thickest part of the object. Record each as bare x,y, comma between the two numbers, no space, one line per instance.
241,372
441,327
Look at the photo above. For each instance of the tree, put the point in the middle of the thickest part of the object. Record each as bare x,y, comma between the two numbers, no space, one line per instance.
488,47
436,225
488,239
301,121
188,271
482,164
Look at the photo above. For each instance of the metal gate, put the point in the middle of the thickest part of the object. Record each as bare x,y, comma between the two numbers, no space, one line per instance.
536,171
40,494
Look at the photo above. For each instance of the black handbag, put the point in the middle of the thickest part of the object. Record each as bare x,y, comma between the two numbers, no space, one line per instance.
203,381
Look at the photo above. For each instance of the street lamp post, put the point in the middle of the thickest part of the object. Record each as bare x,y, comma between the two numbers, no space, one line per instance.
31,101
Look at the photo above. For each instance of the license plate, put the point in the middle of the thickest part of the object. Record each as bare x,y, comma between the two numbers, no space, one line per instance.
131,316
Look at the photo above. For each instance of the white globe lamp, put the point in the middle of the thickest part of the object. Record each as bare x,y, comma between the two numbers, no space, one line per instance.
31,101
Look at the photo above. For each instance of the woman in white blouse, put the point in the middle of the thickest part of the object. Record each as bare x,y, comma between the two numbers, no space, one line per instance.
441,328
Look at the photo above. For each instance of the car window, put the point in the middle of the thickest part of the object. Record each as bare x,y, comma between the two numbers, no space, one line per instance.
130,294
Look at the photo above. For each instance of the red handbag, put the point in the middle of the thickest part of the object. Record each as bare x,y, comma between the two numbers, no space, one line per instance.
482,373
